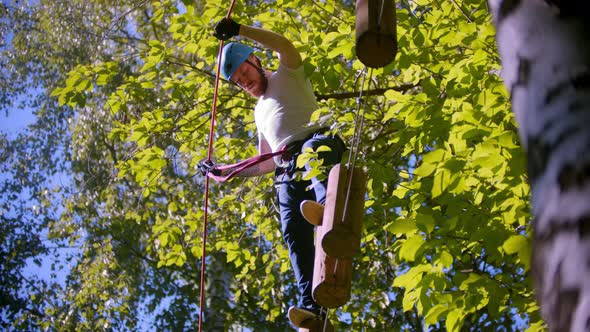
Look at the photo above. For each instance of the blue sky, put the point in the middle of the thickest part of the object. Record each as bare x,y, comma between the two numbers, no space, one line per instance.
16,121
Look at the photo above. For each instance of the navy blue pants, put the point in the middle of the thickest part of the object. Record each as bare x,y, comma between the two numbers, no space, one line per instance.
297,232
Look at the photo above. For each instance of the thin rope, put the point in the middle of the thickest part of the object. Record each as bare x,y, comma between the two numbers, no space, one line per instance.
326,319
381,14
356,139
352,156
209,155
356,118
358,129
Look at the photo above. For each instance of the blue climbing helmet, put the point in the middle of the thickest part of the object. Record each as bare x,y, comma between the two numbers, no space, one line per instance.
232,56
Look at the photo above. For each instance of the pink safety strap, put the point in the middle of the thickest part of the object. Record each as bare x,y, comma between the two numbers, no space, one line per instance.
241,166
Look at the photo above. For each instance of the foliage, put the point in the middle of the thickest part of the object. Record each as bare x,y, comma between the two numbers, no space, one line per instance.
445,242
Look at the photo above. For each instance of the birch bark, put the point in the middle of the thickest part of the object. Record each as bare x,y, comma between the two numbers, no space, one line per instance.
545,52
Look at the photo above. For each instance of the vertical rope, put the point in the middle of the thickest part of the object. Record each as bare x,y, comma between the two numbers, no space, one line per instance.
356,139
209,155
356,118
326,319
358,128
352,156
381,13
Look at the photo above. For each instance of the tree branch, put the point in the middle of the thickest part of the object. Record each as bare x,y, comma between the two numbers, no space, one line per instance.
469,19
354,94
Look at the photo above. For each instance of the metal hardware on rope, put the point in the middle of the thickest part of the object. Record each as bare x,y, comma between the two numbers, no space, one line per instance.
209,154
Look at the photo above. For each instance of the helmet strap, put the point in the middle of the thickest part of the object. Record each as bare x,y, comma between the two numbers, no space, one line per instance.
258,67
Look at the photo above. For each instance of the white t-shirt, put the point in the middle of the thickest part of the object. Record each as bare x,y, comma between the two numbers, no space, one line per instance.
282,114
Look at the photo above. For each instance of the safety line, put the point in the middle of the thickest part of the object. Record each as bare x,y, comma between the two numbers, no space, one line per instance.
381,13
325,319
209,155
352,156
356,139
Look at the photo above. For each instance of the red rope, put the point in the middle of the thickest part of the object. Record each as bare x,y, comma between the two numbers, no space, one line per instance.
209,154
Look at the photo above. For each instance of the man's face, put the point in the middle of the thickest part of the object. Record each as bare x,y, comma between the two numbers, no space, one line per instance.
249,78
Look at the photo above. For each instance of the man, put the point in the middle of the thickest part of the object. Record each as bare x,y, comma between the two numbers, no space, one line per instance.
282,113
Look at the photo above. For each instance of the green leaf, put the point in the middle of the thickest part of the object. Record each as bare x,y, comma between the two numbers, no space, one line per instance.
446,259
164,237
507,139
103,79
418,38
323,148
425,170
393,111
147,85
410,298
312,173
393,95
454,320
514,244
442,179
304,158
345,29
435,157
430,162
401,190
332,78
470,281
402,226
537,327
520,245
425,222
410,279
191,48
410,248
434,314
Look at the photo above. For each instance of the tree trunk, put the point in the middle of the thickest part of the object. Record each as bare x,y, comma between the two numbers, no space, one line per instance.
546,67
217,293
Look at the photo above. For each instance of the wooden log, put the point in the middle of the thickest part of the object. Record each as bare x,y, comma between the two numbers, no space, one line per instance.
340,232
332,279
376,37
316,325
307,321
333,272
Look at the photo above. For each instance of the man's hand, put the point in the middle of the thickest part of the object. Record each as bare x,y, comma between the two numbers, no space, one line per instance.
226,28
208,166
